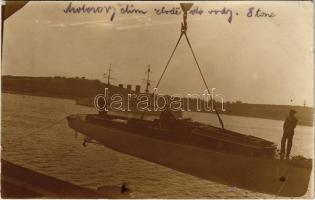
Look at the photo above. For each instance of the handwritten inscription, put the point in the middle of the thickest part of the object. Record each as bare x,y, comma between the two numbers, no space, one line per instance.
83,9
125,9
129,9
257,12
171,11
223,11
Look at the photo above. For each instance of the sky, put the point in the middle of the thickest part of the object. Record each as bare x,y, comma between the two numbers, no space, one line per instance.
252,59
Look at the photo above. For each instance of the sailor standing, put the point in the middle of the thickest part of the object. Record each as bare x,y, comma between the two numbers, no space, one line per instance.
288,133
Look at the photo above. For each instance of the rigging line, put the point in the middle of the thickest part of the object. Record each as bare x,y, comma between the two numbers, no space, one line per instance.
204,80
168,62
50,125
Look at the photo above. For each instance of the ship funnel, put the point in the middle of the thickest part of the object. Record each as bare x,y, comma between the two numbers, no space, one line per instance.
137,88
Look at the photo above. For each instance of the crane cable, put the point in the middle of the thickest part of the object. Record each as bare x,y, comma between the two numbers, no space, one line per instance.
168,62
204,80
183,32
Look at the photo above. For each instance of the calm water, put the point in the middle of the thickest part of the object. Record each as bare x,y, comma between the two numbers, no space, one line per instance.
28,139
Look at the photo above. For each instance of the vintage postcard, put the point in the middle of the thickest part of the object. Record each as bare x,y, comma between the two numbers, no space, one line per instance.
163,99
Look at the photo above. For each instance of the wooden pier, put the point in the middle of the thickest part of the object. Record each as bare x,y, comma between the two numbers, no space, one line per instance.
20,182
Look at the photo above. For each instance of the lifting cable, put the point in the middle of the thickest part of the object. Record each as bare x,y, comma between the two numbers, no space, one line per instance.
169,60
183,32
204,80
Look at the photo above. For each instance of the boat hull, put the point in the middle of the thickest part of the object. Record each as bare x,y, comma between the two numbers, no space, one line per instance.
269,176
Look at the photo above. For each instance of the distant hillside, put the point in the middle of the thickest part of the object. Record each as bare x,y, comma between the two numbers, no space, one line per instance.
54,86
277,112
76,88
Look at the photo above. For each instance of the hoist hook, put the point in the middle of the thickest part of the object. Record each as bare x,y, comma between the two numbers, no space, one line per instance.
184,23
185,7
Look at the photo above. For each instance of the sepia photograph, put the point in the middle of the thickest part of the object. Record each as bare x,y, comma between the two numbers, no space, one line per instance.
157,99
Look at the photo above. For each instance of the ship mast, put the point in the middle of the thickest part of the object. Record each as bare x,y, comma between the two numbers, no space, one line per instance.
108,74
148,80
